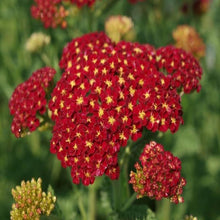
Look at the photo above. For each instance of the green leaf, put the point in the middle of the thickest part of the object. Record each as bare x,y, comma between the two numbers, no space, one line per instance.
137,212
151,215
51,217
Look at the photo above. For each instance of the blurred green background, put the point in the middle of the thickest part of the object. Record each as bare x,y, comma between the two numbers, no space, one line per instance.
197,142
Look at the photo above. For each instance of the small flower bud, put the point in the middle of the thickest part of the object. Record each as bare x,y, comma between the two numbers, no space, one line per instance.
189,40
36,42
120,27
28,205
190,217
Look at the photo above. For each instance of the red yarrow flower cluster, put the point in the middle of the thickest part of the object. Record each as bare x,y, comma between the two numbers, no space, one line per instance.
158,176
81,3
80,138
108,93
201,6
28,100
135,1
50,12
198,7
184,68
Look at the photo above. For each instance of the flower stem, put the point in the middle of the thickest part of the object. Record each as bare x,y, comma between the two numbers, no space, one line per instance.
92,199
92,202
109,4
45,59
81,208
129,202
90,18
116,194
125,153
163,209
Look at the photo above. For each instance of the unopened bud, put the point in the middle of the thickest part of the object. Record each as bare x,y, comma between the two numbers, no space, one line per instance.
120,28
36,42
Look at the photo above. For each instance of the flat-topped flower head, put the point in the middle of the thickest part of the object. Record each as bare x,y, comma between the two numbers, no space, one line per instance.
158,175
82,101
50,12
184,69
29,100
189,40
30,201
107,94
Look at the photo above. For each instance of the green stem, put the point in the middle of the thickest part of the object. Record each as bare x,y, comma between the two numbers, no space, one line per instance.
45,59
116,194
102,10
129,202
125,153
126,179
81,208
92,198
90,17
124,169
163,209
56,168
92,202
46,123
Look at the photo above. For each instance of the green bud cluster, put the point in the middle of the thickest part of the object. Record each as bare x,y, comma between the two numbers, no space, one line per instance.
30,201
